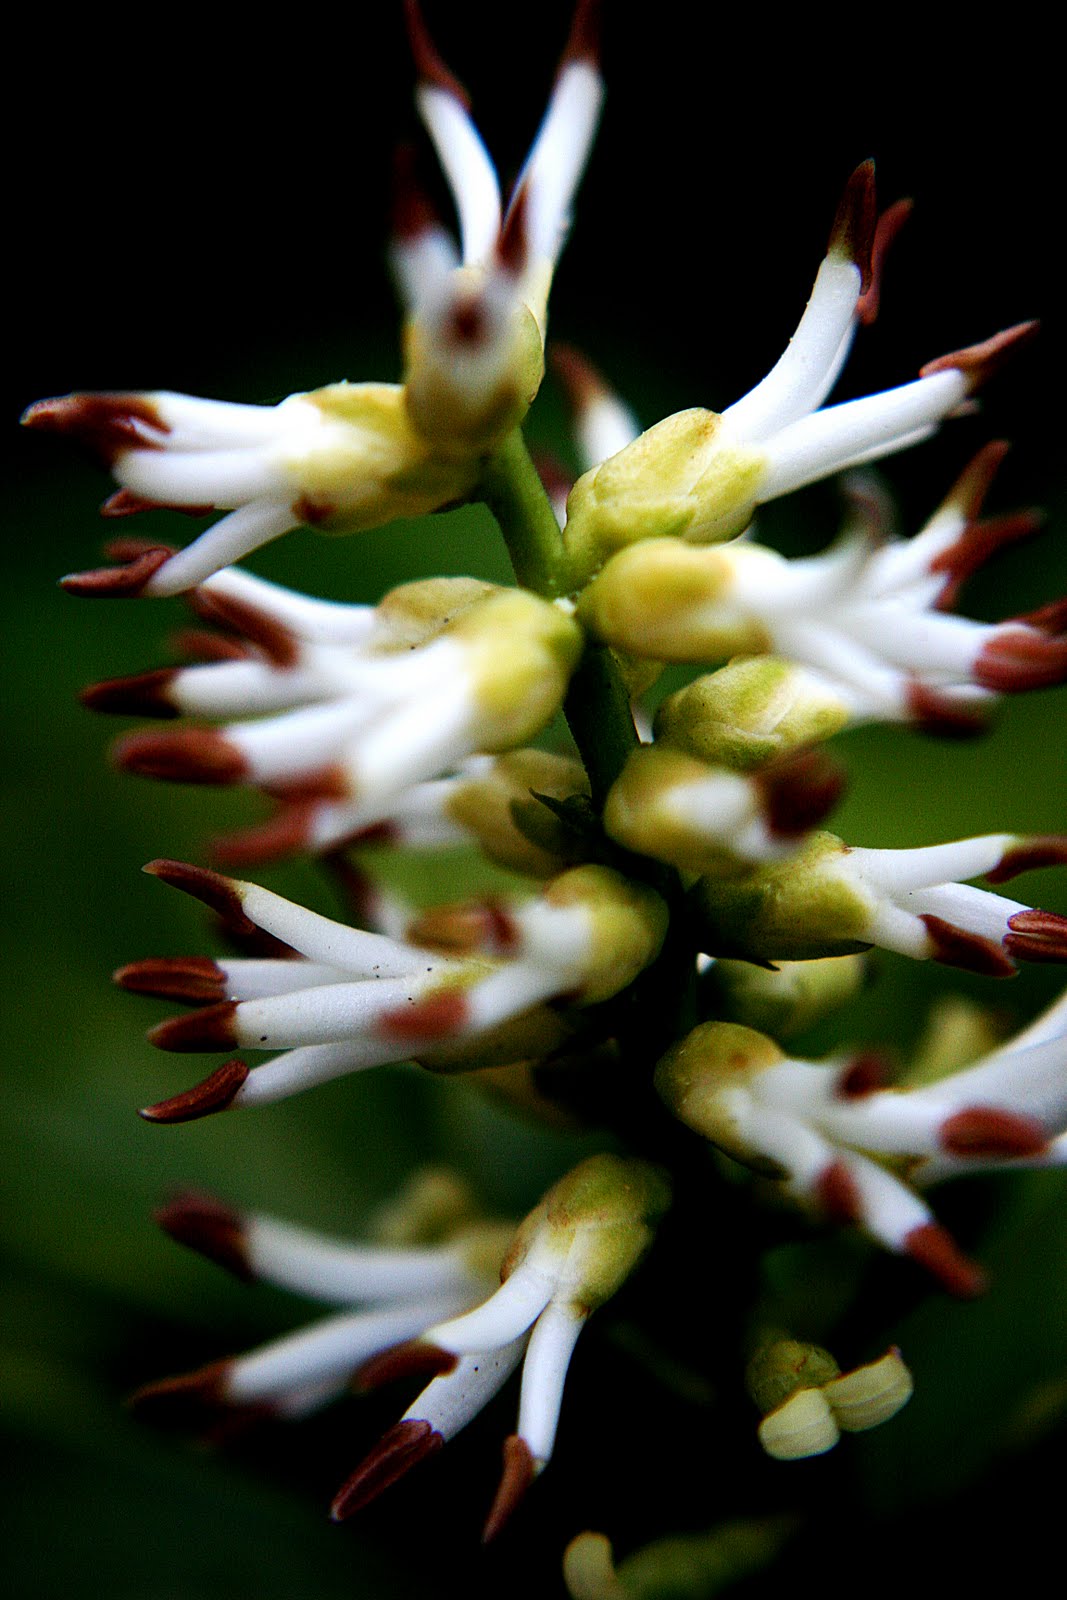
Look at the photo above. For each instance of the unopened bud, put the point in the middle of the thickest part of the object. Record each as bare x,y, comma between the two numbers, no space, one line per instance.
629,924
788,998
501,808
696,1077
751,711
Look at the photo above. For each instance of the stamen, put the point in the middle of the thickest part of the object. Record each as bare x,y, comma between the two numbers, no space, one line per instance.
210,1227
195,979
215,1093
935,1249
108,424
119,583
401,1449
144,695
988,1131
519,1473
192,755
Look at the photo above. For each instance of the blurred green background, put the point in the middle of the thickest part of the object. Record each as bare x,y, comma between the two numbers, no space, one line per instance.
210,217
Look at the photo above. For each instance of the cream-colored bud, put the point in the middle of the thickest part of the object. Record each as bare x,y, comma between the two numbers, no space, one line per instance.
370,465
870,1395
958,1031
629,925
414,613
797,909
513,828
467,391
665,600
803,1426
432,1205
641,813
520,653
678,479
698,1079
786,999
589,1569
751,711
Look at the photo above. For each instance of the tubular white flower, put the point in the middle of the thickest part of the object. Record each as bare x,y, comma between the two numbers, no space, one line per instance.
383,1000
400,1291
861,621
830,898
570,1255
699,476
435,672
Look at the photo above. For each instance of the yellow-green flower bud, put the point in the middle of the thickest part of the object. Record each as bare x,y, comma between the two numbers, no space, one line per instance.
667,805
788,998
466,394
698,1077
499,807
520,653
629,925
751,711
782,1366
414,613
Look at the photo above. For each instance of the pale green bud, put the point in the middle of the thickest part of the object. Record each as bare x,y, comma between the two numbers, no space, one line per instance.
670,602
678,479
796,909
782,1366
642,815
698,1079
788,998
629,923
466,397
521,651
414,613
958,1032
515,830
750,712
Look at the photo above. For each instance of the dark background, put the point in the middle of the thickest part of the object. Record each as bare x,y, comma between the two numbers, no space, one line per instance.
200,202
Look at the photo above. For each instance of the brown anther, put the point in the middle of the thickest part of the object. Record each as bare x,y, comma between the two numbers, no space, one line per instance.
865,1074
485,926
987,1131
427,1020
1037,936
520,1469
1043,850
942,714
108,424
284,834
886,229
853,231
837,1194
221,894
976,544
1018,657
191,1398
192,755
250,622
583,41
798,791
1049,618
124,503
199,644
971,487
513,245
196,979
579,379
934,1248
143,695
118,583
415,1359
212,1028
955,947
413,214
326,783
402,1448
980,361
215,1093
359,892
428,63
209,1227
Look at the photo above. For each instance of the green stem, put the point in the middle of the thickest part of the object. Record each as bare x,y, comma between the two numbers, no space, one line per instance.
597,706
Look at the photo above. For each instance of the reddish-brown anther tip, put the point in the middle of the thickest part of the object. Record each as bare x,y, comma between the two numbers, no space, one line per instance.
284,834
208,1226
955,947
192,755
798,791
583,41
118,583
402,1448
428,63
215,1093
425,1021
578,377
837,1194
1037,936
1018,657
852,234
973,484
107,423
219,893
143,695
200,644
865,1074
886,229
191,1398
520,1469
416,1359
976,544
247,620
124,503
1043,850
513,245
1050,618
412,211
934,1248
212,1028
942,715
988,1131
196,979
979,361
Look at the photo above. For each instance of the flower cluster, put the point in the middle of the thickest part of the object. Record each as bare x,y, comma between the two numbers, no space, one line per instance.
687,903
